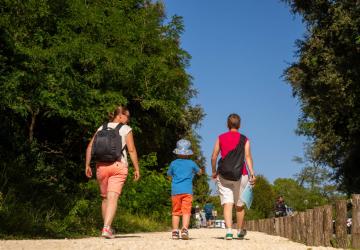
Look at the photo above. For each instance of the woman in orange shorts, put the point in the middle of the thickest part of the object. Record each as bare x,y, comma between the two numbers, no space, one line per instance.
111,176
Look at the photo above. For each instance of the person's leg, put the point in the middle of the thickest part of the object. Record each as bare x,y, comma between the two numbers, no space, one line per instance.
240,214
240,208
176,212
175,222
226,191
228,214
111,205
186,204
103,207
117,176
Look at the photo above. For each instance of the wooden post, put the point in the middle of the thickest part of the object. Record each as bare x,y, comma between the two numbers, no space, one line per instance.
297,228
281,226
328,225
318,226
309,227
285,227
288,227
256,225
272,226
340,223
277,226
302,227
355,227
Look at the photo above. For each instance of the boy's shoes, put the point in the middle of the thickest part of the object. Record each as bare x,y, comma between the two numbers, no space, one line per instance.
175,235
241,234
107,233
184,234
228,236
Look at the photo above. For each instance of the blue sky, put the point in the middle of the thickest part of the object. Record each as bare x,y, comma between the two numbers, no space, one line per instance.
239,51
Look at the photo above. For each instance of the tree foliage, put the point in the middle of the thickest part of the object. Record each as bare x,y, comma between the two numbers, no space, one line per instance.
63,66
325,79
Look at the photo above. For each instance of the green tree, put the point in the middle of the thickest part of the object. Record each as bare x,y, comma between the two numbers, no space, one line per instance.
263,203
325,79
297,197
63,66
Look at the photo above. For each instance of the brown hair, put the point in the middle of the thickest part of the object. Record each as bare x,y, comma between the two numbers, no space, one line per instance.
119,110
233,121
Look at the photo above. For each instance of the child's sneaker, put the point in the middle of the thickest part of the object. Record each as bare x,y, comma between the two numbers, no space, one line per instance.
175,235
184,234
241,234
228,236
107,233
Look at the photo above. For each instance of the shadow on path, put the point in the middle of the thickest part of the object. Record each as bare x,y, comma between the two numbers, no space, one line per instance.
127,236
222,238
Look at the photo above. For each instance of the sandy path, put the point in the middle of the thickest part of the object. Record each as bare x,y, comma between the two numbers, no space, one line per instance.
201,239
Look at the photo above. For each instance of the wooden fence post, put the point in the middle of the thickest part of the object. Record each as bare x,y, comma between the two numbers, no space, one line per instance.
256,224
309,227
272,226
281,226
285,227
340,223
355,227
328,225
297,228
288,227
302,227
318,226
277,226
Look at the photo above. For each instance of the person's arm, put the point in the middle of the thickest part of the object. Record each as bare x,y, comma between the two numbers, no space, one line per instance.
214,158
133,154
88,171
249,162
201,171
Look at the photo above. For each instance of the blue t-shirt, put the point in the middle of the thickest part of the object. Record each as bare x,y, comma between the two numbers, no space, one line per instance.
182,172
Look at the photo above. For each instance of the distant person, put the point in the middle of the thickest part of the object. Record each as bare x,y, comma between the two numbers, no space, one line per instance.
197,217
208,213
112,163
182,171
231,176
280,207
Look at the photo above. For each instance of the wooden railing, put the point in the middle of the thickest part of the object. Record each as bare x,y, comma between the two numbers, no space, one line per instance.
321,226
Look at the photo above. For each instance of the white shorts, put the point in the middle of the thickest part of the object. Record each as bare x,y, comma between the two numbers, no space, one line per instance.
230,191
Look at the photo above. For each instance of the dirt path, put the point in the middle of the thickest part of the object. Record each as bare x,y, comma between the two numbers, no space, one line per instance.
201,239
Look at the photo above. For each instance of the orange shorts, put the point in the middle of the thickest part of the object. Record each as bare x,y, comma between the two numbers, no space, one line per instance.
181,204
111,177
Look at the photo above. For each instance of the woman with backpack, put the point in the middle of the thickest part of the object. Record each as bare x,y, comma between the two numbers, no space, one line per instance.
107,147
232,176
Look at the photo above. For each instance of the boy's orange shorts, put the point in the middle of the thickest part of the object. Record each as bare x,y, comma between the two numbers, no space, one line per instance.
181,204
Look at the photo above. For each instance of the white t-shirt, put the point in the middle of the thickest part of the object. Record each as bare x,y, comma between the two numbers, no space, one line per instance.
124,130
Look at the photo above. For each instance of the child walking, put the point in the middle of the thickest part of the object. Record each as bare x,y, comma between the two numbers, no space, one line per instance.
182,171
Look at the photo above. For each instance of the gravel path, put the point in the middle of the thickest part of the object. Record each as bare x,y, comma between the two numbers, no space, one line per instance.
200,239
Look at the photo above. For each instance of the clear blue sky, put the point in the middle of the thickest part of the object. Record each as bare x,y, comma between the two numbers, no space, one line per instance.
239,51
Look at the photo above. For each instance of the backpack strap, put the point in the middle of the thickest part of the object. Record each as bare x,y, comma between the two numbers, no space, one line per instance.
105,126
117,129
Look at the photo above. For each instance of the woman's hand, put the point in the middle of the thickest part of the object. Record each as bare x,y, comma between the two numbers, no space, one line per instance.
136,175
214,175
252,179
88,172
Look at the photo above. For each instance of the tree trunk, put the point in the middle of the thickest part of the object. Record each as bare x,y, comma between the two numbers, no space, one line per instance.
32,123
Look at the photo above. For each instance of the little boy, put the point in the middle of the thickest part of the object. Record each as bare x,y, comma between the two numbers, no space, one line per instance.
182,171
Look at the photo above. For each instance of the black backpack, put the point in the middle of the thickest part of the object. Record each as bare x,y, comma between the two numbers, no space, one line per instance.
231,167
107,145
